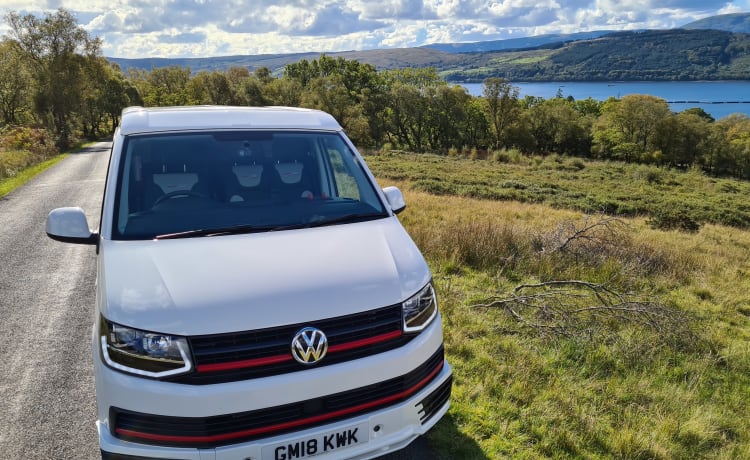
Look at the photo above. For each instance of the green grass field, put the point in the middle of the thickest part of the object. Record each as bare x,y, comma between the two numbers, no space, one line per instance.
654,365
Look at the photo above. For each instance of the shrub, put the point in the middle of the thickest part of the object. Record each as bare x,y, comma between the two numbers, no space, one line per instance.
36,141
21,147
577,164
512,155
673,218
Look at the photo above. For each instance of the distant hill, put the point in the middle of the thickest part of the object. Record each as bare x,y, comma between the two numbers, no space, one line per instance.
677,54
738,22
381,59
516,43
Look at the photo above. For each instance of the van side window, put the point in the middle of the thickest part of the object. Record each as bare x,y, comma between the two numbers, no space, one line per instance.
345,182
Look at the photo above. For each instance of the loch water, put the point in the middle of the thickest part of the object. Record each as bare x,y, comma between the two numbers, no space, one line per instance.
718,98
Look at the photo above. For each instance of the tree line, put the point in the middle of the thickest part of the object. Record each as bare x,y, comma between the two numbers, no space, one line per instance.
52,74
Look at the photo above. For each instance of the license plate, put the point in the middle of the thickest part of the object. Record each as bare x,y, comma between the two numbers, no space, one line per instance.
318,444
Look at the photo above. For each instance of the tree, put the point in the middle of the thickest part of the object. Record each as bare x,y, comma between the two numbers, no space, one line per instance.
165,86
55,47
736,157
558,127
15,84
284,91
409,96
331,96
211,88
361,87
682,139
449,107
628,127
502,106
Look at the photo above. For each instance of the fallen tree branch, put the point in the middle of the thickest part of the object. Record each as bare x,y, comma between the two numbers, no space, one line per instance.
575,307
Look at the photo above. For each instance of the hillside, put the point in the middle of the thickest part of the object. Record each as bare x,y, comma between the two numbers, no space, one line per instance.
677,54
738,22
516,43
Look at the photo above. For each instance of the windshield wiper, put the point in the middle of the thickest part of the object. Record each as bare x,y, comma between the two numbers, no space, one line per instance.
233,230
348,218
241,229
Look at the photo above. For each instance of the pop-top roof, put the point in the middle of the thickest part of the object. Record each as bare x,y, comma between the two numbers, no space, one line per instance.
143,120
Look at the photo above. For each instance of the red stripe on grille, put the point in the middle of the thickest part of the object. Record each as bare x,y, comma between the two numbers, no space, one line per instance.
282,426
243,364
232,365
365,342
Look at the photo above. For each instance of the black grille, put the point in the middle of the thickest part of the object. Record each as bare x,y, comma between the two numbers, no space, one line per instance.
207,432
435,400
382,325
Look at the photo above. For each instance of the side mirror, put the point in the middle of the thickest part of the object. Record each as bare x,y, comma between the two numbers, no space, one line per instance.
69,225
395,199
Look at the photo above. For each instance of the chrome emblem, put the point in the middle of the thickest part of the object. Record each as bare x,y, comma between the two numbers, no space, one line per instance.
309,345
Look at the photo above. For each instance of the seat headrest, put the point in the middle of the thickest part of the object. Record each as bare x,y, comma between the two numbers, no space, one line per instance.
248,175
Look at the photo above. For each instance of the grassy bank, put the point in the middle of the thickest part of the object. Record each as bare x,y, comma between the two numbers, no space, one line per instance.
9,184
655,366
24,152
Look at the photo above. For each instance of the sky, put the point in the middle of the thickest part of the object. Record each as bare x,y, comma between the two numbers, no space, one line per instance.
204,28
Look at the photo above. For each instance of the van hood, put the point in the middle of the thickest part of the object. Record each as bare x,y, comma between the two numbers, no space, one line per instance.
211,285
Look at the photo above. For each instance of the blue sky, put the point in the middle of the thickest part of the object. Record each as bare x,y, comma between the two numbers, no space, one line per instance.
200,28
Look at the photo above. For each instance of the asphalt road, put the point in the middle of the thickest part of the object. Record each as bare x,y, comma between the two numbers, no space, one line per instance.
47,400
46,312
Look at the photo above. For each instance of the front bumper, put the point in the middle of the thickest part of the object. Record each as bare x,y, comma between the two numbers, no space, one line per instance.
391,421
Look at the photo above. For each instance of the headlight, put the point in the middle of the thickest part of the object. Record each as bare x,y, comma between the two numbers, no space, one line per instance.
143,353
420,309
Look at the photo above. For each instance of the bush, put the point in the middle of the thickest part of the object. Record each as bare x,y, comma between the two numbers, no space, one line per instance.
507,156
21,147
673,218
37,141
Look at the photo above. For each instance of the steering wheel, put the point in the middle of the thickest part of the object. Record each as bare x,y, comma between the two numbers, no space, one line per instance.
176,193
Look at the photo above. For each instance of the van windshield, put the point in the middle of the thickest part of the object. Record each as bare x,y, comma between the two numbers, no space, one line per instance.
213,183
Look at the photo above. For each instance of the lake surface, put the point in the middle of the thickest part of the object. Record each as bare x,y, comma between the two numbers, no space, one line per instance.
719,98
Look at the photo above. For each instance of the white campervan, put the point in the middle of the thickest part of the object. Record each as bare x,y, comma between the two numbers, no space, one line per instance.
256,296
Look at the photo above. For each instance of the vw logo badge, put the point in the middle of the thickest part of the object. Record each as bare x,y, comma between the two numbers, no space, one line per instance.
309,345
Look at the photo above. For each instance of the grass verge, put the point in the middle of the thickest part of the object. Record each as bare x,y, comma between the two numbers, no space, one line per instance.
11,183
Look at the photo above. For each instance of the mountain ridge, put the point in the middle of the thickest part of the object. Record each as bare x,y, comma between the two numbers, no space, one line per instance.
692,52
734,22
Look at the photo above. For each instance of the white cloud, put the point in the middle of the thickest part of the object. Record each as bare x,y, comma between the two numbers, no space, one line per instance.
191,28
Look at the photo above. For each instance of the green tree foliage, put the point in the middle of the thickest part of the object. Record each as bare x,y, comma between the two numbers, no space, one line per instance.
353,92
166,86
15,88
56,48
105,94
502,107
556,126
628,127
410,95
735,158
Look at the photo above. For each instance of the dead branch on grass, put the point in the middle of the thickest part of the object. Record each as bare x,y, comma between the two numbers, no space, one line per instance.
573,308
595,233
